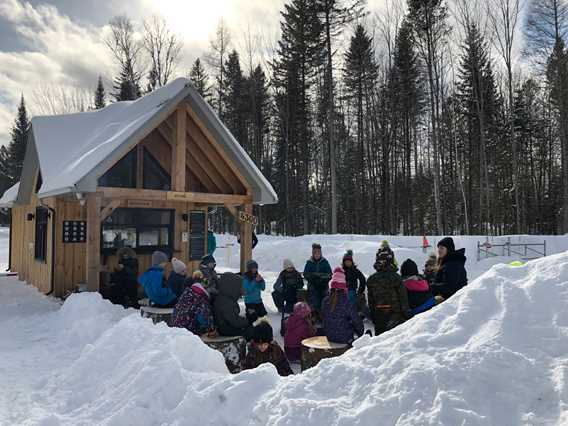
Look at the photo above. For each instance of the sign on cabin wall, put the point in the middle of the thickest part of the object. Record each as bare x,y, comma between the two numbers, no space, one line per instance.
74,231
140,204
248,218
197,234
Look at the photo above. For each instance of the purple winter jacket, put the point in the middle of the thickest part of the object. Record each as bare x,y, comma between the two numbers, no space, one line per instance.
343,322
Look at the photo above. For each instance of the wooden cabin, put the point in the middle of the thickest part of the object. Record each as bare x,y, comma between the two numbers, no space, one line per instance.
141,174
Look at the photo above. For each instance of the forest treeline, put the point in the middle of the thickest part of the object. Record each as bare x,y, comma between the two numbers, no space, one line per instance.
429,117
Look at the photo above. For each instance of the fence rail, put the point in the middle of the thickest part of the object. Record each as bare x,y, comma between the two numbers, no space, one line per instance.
527,251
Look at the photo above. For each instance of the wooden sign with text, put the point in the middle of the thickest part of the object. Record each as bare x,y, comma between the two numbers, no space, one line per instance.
248,218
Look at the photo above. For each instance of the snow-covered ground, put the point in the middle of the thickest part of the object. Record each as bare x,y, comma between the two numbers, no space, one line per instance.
495,354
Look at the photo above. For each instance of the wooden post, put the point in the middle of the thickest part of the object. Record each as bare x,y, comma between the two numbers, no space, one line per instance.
246,239
179,151
93,249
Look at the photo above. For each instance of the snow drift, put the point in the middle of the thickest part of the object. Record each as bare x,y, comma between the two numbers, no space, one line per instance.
496,353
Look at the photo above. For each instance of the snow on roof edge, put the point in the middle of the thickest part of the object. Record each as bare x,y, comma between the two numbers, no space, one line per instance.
10,196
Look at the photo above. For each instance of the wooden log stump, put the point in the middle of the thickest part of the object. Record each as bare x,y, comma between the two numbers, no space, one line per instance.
157,314
317,348
233,348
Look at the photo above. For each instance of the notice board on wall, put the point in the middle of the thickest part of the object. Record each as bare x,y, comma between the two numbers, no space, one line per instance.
197,234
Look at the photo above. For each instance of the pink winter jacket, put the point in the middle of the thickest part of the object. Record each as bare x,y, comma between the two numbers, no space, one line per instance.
297,329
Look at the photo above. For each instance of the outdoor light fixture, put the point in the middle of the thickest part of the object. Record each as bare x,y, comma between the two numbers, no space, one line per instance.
30,217
185,217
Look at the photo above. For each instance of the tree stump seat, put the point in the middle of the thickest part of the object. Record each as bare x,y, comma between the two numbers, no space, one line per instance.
233,348
317,348
157,314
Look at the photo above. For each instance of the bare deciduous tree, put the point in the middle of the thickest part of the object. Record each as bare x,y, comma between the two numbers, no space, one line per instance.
163,49
55,100
216,59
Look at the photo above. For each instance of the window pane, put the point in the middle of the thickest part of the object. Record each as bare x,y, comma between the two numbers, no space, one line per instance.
119,237
154,237
155,217
155,177
122,174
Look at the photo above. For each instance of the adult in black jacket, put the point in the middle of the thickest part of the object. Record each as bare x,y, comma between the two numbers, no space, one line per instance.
226,309
451,274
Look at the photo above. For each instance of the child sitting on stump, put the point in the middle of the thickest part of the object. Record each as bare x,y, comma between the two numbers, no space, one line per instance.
340,318
253,285
153,281
263,349
176,280
420,298
226,309
285,294
298,327
193,311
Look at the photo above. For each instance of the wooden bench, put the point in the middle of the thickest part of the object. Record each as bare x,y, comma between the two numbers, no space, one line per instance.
157,314
233,349
317,348
144,302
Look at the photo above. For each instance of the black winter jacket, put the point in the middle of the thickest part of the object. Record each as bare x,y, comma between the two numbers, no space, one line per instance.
355,279
451,276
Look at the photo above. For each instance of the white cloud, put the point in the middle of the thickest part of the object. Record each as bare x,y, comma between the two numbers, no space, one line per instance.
60,52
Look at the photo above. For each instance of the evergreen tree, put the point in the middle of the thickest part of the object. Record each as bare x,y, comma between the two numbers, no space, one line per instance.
200,79
100,95
127,84
235,108
360,76
12,157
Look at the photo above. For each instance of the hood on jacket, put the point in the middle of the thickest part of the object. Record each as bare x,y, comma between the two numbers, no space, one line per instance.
456,256
416,283
230,285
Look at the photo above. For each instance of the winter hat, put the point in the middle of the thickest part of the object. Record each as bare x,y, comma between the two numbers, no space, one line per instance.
159,257
385,244
348,255
316,246
384,260
447,242
302,309
262,333
207,259
179,267
287,263
125,253
338,280
408,268
251,264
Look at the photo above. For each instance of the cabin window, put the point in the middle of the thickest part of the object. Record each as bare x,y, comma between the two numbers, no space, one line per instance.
41,216
155,177
122,174
145,230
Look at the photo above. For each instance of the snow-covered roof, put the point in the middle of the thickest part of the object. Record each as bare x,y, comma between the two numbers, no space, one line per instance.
73,150
10,196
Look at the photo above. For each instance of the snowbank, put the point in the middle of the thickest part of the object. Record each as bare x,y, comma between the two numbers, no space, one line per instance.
496,353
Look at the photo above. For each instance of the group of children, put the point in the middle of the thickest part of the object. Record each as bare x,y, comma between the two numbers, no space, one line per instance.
338,300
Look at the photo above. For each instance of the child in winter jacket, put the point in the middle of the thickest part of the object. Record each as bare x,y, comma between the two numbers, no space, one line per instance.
263,349
210,277
317,272
430,268
176,280
285,294
451,274
298,327
253,285
193,311
226,309
388,299
385,248
154,285
340,318
420,298
355,279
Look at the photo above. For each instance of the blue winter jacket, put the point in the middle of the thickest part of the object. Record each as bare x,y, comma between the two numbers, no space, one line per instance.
252,289
153,282
317,272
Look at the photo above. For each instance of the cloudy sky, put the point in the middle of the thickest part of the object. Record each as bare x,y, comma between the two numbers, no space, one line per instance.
50,44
